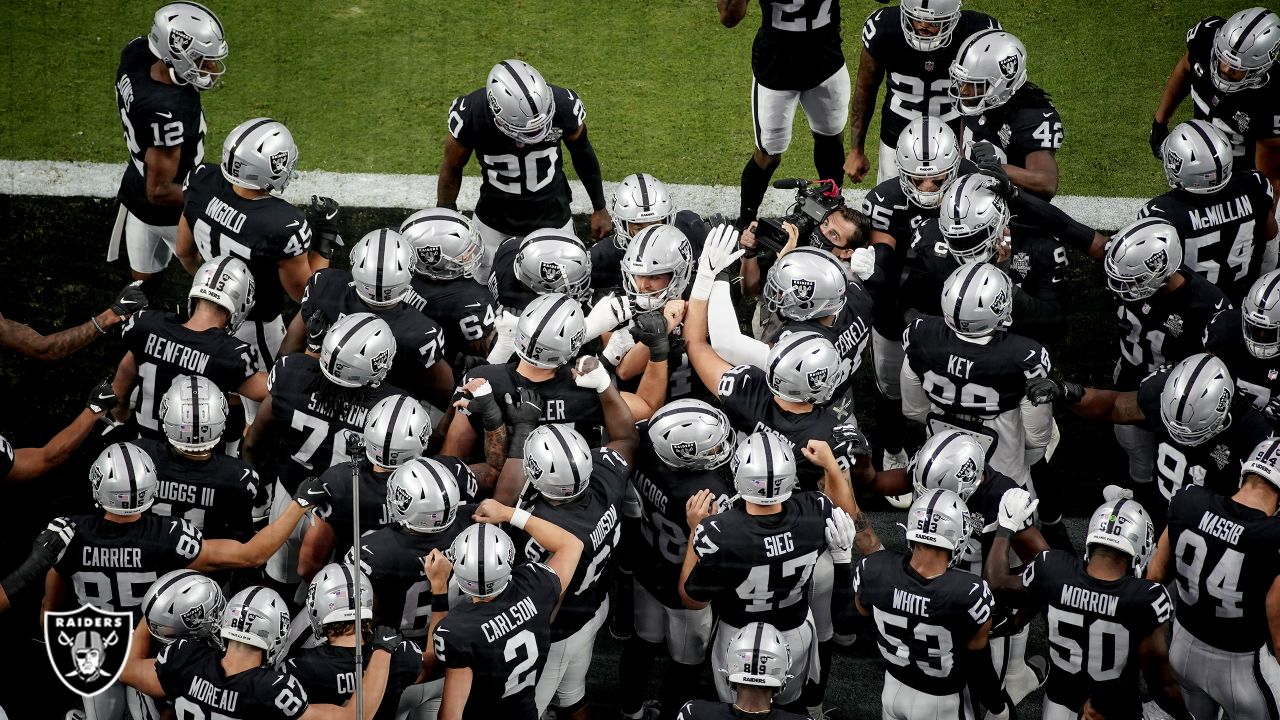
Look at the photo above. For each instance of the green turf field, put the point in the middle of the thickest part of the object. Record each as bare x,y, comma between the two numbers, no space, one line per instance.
365,85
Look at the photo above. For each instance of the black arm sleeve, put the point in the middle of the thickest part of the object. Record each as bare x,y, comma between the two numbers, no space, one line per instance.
1036,317
1039,212
587,165
983,681
845,618
28,572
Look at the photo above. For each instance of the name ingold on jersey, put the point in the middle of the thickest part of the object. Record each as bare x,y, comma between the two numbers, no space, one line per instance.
225,215
176,353
1232,210
515,616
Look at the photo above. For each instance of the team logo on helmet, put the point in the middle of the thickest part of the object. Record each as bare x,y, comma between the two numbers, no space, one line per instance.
179,41
401,500
87,647
95,478
1224,400
1000,303
381,361
1157,262
429,254
1173,161
532,468
803,289
968,472
279,162
817,378
684,450
1009,66
551,272
195,617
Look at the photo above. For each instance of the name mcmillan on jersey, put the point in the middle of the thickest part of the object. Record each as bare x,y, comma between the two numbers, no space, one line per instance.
176,353
515,616
1238,208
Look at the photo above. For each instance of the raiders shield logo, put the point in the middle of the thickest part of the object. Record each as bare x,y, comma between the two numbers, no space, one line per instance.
533,469
381,361
551,272
1000,303
179,41
429,255
803,289
684,450
817,378
95,478
1224,400
195,617
1009,66
1173,162
968,473
1157,262
400,499
87,647
279,162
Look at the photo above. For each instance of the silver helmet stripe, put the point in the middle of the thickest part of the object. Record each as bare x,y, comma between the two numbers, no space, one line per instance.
204,9
381,254
480,554
972,272
558,432
128,468
533,108
333,361
248,131
755,649
959,192
1115,516
925,155
1272,287
546,319
444,493
1213,151
644,191
155,596
1244,34
681,410
248,602
346,575
768,468
195,409
937,451
797,340
391,427
1191,381
933,504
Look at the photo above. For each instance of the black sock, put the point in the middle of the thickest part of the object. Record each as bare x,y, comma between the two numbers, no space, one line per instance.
828,157
1148,496
889,424
813,693
679,686
152,287
1049,491
755,181
634,668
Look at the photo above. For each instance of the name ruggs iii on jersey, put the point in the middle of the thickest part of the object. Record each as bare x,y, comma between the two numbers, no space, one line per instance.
217,495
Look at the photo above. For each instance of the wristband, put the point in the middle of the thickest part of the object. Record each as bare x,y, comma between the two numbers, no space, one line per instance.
94,319
519,518
440,602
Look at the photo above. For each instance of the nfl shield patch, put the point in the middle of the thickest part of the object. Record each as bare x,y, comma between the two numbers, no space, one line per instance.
87,647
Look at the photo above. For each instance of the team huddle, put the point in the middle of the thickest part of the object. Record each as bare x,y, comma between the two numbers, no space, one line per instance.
480,441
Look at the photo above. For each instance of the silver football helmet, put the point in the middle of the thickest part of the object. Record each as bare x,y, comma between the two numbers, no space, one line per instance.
757,656
332,597
550,331
1247,42
1123,525
260,154
396,431
940,518
557,462
972,218
521,102
943,15
1141,258
1260,316
657,250
186,35
691,435
764,469
551,260
1197,157
1195,403
927,149
1262,461
357,351
806,283
423,496
257,616
990,67
446,244
950,460
123,479
803,367
482,558
977,300
184,604
193,413
382,267
226,282
640,199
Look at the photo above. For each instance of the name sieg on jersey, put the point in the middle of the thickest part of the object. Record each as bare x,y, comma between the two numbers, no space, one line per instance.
781,544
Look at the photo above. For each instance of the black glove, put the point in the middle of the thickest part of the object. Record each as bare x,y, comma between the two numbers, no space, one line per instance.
1003,186
322,216
984,154
524,411
52,542
130,300
849,433
1272,410
355,446
1159,131
101,398
386,638
317,325
1042,391
486,408
650,329
312,493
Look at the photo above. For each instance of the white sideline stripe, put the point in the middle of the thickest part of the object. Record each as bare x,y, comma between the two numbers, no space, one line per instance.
101,180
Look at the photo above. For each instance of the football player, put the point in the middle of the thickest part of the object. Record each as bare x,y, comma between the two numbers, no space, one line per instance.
1004,117
544,261
1220,554
1104,619
757,663
445,286
22,464
1225,70
494,647
1248,341
326,672
162,347
203,680
912,46
796,59
639,201
1226,219
684,448
843,232
380,279
515,124
932,621
966,372
24,340
158,85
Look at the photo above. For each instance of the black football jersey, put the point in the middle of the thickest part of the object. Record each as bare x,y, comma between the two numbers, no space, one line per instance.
190,671
1257,380
504,642
313,417
606,256
1246,116
922,624
163,349
7,459
1095,626
216,495
593,519
1226,555
756,568
682,381
523,187
261,232
984,507
915,82
159,115
967,379
1217,462
1164,328
663,492
465,310
112,565
798,43
707,710
392,558
749,404
511,294
1223,234
327,674
1018,128
563,400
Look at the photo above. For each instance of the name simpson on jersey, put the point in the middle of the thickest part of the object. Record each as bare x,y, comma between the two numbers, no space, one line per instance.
176,353
515,616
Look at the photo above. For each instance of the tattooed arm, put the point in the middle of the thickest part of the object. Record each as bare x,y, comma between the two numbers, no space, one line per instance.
495,447
865,539
22,339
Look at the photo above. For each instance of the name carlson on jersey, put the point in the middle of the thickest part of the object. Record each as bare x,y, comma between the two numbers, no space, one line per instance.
1220,527
1092,600
1239,208
210,694
225,215
176,353
124,557
515,616
910,603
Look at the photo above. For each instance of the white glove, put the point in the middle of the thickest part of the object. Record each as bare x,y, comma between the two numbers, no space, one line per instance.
504,345
607,314
840,534
1115,492
863,262
1016,507
619,344
590,373
719,252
